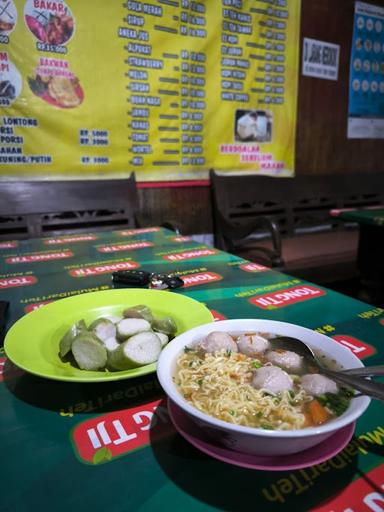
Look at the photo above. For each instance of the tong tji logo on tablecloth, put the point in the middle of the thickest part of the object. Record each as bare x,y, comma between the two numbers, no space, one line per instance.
124,247
12,282
92,270
32,258
358,347
187,255
360,496
69,239
107,437
8,245
286,297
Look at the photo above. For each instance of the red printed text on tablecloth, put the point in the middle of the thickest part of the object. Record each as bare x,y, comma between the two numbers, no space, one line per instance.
8,370
358,347
37,257
253,267
112,435
12,282
187,255
363,495
129,232
69,239
217,316
8,245
36,305
124,247
287,297
180,238
201,278
93,270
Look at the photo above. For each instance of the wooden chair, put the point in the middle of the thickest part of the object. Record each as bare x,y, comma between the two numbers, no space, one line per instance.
285,223
50,208
238,214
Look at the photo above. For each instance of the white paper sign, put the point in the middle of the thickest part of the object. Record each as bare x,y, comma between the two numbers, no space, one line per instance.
320,59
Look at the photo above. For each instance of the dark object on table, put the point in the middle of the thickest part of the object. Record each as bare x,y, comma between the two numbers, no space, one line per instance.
4,305
163,281
285,223
131,277
137,278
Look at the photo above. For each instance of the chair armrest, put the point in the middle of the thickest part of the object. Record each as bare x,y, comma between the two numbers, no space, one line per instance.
168,224
234,235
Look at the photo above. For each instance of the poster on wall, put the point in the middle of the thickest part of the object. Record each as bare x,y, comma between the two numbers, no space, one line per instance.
320,59
167,89
366,77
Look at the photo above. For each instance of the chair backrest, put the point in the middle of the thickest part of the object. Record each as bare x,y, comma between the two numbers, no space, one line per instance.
44,208
298,204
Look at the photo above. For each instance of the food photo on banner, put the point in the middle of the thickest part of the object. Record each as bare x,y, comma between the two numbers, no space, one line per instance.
156,92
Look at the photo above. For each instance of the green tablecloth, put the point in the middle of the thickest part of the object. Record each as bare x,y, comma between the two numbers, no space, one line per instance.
47,428
370,256
370,216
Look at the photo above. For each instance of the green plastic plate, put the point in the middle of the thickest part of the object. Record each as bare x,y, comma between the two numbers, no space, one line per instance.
32,343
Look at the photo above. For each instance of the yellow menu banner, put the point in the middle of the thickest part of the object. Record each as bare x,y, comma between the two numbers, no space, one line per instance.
168,89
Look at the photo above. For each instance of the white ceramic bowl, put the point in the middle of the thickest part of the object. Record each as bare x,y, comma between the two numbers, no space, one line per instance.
249,439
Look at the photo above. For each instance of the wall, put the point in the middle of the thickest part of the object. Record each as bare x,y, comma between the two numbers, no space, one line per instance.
321,143
187,207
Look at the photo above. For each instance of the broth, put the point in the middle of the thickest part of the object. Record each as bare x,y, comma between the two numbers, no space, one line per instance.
228,384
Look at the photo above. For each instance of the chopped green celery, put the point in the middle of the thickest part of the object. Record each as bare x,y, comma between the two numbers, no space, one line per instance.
337,403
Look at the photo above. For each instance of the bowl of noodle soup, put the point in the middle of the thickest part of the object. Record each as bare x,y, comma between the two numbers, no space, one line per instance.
252,397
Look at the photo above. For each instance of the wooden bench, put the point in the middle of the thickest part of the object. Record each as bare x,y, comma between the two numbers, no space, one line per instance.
50,208
285,223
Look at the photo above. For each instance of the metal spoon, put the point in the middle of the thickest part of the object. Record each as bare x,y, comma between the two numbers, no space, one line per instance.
367,387
365,371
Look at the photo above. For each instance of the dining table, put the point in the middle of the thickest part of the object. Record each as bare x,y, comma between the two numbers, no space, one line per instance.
370,254
113,446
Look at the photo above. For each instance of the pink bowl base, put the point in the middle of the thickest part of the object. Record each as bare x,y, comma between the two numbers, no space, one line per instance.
316,455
